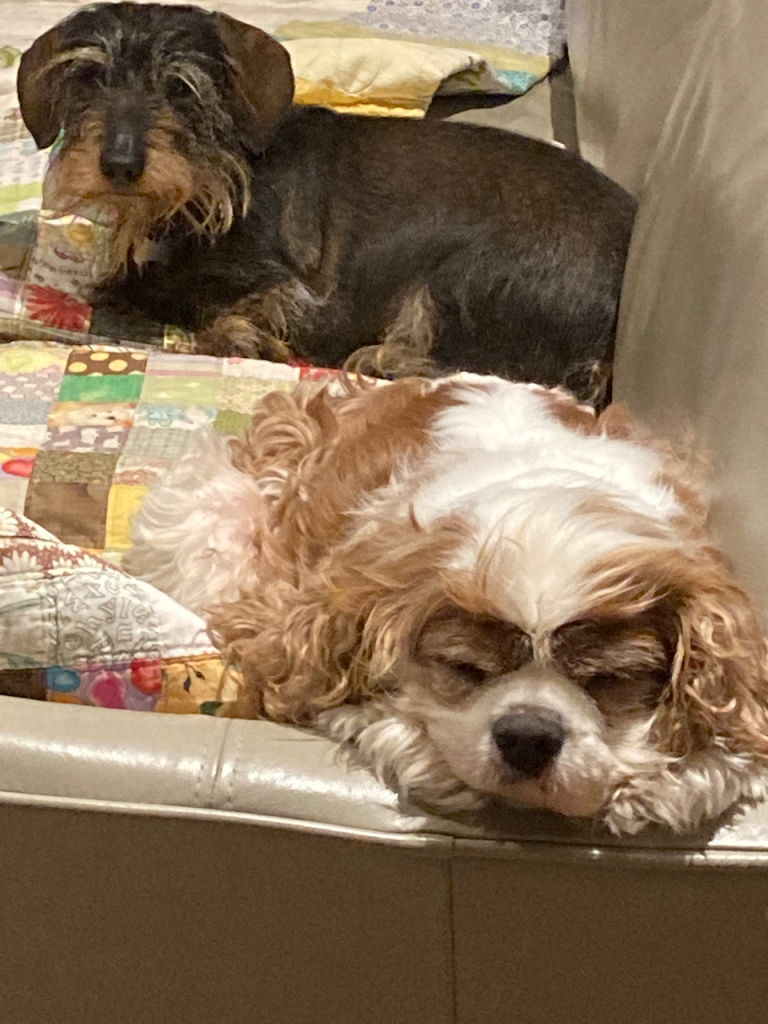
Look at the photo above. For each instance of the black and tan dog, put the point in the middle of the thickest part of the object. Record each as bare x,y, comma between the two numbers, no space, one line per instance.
278,230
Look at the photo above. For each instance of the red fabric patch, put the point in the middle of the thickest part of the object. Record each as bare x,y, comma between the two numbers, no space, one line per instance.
57,309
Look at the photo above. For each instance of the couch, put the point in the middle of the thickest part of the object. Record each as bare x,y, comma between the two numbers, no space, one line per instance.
166,869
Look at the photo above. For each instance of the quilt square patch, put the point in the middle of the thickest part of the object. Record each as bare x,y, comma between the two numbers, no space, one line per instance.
259,369
244,394
17,463
42,385
164,445
22,435
32,357
125,500
22,410
76,511
232,423
89,426
74,467
88,362
138,470
101,388
181,417
13,493
175,364
177,390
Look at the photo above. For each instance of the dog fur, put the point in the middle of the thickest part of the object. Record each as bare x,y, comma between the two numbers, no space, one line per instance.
481,590
282,231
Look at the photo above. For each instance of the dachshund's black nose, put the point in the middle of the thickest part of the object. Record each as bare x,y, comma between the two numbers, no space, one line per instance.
528,741
123,159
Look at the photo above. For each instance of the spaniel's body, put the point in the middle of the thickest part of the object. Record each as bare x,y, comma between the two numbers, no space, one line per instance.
484,588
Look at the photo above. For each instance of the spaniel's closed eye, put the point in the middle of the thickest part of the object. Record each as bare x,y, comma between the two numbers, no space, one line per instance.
469,670
624,659
459,637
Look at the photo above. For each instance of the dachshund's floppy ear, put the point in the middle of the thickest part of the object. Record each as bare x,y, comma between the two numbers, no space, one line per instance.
37,94
263,79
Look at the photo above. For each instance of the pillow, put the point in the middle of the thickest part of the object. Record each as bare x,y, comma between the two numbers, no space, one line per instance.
377,75
48,262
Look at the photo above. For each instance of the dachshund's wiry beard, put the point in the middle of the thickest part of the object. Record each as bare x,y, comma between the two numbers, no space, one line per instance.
206,196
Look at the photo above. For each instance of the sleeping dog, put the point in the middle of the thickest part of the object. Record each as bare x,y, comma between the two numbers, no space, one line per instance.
481,590
279,231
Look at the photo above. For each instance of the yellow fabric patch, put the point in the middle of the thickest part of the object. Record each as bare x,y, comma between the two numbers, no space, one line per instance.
330,32
63,698
125,500
194,685
29,357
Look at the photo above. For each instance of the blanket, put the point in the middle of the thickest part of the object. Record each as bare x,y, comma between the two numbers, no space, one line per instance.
73,629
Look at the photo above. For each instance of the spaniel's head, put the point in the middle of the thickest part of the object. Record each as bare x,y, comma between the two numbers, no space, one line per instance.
644,701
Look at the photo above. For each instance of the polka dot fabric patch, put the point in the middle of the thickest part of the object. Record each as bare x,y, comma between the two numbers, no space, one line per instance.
92,363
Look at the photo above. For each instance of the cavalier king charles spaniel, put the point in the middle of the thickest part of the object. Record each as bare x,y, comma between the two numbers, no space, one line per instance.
483,589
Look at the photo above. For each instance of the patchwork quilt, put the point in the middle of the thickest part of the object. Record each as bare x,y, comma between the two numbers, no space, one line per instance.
84,430
75,629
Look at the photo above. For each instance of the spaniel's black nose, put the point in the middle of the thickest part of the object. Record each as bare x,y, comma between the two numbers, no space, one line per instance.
528,741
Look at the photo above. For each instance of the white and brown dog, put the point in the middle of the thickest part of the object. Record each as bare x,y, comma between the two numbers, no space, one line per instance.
484,589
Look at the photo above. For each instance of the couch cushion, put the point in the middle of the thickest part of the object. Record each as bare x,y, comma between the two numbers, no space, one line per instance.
275,775
627,61
692,349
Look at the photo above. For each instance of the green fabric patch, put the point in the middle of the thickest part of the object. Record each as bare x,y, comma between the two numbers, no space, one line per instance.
170,390
12,195
76,388
167,445
9,55
230,422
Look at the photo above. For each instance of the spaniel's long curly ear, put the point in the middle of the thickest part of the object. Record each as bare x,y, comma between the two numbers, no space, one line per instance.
334,606
312,639
38,95
295,650
262,79
719,687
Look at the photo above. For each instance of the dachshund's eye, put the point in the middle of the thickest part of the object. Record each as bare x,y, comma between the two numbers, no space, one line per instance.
177,88
89,72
